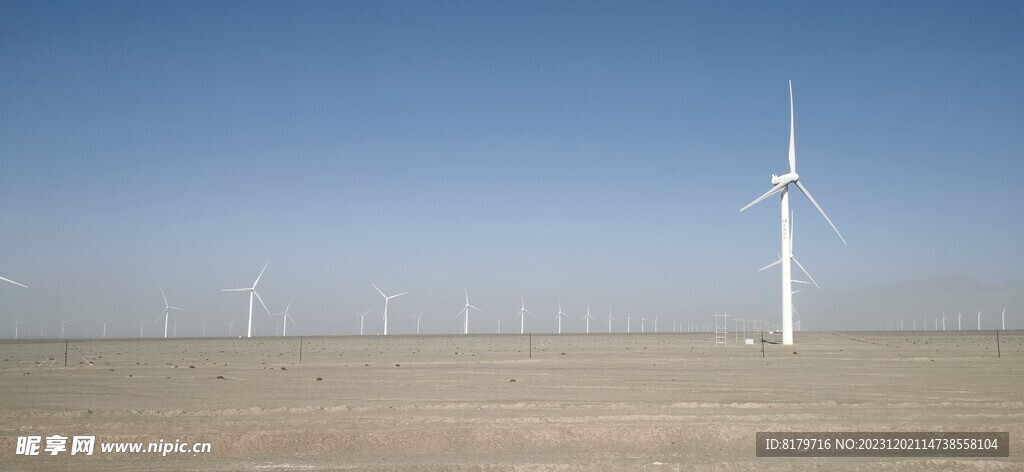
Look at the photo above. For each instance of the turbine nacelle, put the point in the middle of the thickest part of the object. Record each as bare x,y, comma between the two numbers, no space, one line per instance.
785,178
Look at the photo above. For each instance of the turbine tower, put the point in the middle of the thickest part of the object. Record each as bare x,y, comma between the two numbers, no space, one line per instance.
104,329
166,313
610,318
465,310
386,300
781,185
522,315
418,322
629,320
63,323
979,318
252,292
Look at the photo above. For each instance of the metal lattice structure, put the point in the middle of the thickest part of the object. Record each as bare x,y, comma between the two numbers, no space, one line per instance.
721,329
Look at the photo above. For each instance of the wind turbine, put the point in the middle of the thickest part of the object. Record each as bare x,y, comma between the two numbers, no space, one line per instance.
643,321
142,328
204,327
655,324
285,317
979,319
629,320
522,315
465,310
105,328
18,323
386,300
1004,318
62,324
959,323
943,321
362,318
167,312
252,292
587,317
610,318
418,322
559,317
781,185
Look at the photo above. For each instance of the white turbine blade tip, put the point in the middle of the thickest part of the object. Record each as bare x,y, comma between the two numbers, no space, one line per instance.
5,279
773,191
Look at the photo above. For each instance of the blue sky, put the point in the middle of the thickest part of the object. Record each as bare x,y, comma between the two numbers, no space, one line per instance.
588,152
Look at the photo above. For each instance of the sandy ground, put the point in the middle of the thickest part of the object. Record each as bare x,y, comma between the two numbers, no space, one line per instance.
654,402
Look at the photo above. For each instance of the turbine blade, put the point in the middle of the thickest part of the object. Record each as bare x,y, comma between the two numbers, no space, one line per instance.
529,312
776,189
808,274
176,308
792,132
235,290
475,308
258,297
807,193
5,279
258,276
399,295
289,306
378,290
163,295
773,264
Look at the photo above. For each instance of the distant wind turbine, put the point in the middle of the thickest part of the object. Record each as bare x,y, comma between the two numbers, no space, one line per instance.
643,321
386,300
285,318
1004,318
252,292
418,322
465,312
559,317
979,319
959,323
587,317
62,324
18,323
781,185
522,315
167,312
105,328
629,320
362,318
610,318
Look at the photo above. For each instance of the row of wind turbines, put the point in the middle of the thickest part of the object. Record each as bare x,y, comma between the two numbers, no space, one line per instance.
897,325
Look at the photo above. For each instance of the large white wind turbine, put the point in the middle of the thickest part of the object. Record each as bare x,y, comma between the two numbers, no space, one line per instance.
559,317
780,184
285,318
252,292
522,315
386,300
587,317
167,311
465,312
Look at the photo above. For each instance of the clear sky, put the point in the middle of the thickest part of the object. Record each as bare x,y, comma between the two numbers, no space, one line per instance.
587,152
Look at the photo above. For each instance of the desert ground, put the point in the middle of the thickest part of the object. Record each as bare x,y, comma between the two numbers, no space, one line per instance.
655,402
